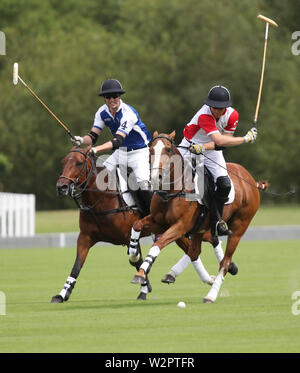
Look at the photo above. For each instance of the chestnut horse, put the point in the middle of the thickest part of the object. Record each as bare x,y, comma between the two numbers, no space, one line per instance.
180,215
104,215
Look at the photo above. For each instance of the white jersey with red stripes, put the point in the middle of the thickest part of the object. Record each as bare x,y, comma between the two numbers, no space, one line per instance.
203,124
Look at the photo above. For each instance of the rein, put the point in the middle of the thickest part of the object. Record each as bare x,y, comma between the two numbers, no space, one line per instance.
77,189
164,195
256,186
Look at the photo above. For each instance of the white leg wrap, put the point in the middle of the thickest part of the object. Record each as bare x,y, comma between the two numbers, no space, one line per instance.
144,289
219,252
67,285
181,265
135,234
134,242
214,290
152,254
201,271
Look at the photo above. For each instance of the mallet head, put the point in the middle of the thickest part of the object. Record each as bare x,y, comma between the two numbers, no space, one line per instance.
15,73
267,20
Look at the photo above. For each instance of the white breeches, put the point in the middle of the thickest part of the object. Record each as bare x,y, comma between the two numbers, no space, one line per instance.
138,160
213,160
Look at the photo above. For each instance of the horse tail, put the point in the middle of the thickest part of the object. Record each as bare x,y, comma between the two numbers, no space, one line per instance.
262,185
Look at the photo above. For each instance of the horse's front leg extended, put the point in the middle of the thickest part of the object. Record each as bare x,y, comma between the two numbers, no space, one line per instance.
136,230
170,235
84,242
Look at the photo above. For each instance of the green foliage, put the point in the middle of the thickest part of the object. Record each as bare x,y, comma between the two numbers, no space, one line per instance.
167,54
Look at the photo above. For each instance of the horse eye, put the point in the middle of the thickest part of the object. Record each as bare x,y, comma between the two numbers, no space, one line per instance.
78,164
168,150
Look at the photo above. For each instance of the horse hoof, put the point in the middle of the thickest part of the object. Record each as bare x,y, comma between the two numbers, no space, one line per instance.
139,280
142,296
57,299
233,269
207,300
168,279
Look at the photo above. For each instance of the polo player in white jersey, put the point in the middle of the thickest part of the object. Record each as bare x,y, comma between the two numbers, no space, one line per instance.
215,122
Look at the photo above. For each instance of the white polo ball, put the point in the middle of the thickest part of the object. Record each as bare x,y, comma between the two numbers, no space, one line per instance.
181,305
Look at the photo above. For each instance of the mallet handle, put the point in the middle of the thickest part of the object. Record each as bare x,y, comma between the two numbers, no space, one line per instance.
261,77
46,107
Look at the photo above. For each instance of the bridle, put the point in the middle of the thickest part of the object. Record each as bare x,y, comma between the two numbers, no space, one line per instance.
77,188
164,195
165,138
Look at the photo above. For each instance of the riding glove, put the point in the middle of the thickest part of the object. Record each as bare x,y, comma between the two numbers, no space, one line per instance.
77,140
93,151
197,148
251,135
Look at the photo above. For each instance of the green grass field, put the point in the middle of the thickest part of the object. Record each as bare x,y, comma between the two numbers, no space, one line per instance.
67,220
252,313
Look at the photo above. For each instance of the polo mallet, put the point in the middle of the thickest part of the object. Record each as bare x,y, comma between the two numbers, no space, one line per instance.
16,78
271,22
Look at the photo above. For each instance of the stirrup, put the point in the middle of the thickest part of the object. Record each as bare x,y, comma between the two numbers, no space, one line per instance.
222,229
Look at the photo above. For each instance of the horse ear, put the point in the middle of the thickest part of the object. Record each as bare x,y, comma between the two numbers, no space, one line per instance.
172,135
155,134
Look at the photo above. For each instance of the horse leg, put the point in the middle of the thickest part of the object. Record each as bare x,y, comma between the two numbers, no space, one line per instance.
238,227
184,262
218,250
136,230
170,235
84,242
136,261
135,254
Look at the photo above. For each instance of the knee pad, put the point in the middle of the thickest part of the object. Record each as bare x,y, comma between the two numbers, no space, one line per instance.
223,186
144,185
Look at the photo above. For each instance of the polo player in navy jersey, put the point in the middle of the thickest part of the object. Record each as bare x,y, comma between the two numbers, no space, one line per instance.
129,134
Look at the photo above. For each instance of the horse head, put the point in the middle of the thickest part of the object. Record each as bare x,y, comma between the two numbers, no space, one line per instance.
77,167
166,161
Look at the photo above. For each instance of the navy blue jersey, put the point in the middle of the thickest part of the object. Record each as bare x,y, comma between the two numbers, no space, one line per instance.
126,120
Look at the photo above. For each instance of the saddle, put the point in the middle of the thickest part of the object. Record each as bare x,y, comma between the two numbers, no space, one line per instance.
206,201
206,198
130,194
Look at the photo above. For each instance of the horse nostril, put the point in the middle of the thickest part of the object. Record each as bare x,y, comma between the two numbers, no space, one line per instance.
62,190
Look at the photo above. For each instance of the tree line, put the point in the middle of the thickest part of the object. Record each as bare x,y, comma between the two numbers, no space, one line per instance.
167,54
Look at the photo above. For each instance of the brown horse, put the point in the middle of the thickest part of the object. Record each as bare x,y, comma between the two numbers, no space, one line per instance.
179,215
104,215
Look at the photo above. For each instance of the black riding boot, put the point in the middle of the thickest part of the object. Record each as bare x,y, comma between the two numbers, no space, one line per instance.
218,226
144,195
